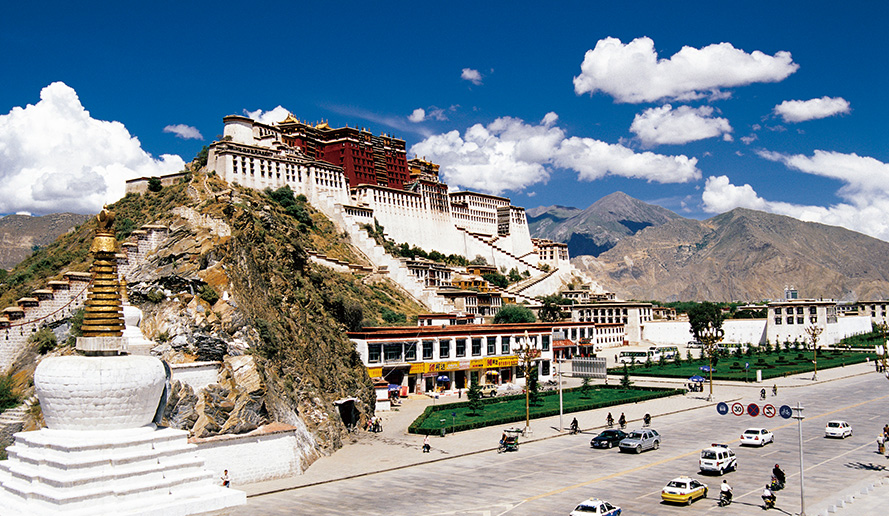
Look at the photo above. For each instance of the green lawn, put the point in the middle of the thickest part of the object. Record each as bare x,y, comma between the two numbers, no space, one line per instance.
773,365
511,409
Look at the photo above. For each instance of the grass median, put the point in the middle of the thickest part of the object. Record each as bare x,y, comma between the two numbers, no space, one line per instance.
503,410
772,365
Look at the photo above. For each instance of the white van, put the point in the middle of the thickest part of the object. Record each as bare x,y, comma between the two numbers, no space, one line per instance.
668,352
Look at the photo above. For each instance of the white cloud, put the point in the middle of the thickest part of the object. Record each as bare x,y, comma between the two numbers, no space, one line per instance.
417,116
632,73
186,132
749,139
865,192
665,125
509,154
793,111
268,117
468,74
55,157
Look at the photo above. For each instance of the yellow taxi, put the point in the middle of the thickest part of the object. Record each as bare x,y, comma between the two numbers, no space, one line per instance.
683,490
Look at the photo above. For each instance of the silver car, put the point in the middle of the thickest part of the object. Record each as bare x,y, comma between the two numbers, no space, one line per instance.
640,440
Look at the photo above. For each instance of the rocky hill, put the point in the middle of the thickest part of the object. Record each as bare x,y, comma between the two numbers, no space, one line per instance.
742,255
233,278
599,227
21,234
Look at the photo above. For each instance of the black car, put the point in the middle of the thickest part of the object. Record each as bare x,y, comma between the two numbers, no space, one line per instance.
608,438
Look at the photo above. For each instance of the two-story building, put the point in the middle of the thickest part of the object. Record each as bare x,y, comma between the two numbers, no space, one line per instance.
446,358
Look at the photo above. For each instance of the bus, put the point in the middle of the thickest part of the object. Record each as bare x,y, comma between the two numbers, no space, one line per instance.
637,357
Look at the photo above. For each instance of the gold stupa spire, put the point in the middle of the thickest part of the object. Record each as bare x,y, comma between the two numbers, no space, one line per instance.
103,313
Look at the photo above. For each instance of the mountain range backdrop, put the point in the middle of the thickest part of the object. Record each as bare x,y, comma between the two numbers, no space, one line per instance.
645,252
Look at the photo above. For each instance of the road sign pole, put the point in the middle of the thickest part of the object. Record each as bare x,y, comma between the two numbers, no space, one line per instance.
802,493
561,409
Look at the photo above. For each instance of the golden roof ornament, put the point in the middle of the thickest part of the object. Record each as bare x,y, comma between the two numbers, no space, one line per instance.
103,308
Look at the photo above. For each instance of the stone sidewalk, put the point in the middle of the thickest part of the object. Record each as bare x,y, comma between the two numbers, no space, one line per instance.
393,448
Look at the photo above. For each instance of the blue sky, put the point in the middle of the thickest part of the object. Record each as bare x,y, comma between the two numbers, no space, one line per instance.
700,108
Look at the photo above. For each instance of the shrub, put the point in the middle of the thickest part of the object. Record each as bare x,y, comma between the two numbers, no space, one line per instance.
156,296
8,397
154,184
392,317
625,382
209,294
44,339
511,314
474,395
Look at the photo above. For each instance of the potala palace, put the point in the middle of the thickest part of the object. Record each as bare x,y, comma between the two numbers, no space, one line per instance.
355,178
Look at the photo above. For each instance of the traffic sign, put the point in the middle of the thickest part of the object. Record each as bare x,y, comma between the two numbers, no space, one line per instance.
769,410
785,411
746,365
722,408
753,409
737,409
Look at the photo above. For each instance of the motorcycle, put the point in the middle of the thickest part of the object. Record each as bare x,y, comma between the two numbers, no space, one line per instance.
768,502
725,498
776,485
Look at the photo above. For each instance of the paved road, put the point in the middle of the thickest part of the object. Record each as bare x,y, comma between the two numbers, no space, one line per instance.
551,476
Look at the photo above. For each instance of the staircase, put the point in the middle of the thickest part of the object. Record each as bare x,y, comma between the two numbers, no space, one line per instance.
12,420
508,256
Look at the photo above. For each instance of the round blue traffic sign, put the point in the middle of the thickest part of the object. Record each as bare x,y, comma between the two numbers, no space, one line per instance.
722,408
753,409
785,411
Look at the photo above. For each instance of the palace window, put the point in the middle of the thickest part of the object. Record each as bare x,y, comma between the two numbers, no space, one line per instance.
504,345
777,320
461,347
410,351
545,342
373,353
476,347
492,345
427,349
444,348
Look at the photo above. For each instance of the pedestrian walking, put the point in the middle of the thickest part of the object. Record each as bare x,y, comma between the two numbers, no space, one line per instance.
226,482
426,446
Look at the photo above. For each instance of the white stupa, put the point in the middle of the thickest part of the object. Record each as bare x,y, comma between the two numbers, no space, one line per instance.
101,452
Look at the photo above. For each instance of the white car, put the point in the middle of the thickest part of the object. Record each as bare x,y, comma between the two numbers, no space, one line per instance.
718,458
757,437
839,429
597,507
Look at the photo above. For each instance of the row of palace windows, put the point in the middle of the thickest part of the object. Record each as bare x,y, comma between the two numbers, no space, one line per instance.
407,351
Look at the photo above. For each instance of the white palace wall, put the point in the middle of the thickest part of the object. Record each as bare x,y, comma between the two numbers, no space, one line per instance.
750,331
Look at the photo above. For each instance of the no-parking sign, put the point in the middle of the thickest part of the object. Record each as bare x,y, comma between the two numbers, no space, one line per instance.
753,409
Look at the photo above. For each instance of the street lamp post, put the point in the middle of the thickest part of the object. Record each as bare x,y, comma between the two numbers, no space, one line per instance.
798,409
708,337
883,351
814,332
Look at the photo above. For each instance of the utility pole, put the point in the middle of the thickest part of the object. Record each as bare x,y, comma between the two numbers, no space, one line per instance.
798,409
883,350
708,337
561,408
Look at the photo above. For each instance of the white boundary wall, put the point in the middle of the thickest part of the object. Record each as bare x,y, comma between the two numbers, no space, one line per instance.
196,374
749,331
252,458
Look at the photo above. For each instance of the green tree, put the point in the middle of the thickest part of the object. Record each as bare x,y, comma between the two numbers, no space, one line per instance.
625,382
550,311
514,314
534,386
496,279
154,184
8,397
514,276
201,158
474,395
391,316
586,387
478,260
209,294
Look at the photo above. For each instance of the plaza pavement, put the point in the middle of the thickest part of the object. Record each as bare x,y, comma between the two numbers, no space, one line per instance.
368,453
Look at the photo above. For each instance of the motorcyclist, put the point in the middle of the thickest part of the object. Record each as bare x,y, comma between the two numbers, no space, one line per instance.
725,492
574,426
646,420
774,389
779,475
768,497
622,421
609,420
762,394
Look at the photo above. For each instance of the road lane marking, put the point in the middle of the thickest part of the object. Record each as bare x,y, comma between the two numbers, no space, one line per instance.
649,494
520,476
813,438
770,453
689,454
